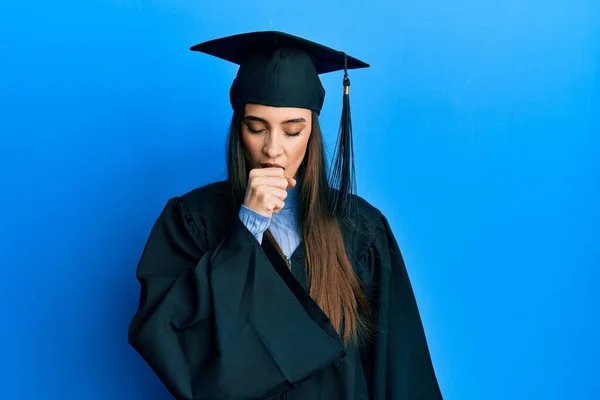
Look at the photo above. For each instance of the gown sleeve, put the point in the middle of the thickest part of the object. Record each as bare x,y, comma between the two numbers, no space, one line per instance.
220,323
399,365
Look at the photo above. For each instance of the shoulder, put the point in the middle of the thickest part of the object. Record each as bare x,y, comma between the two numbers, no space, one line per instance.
206,211
361,228
210,198
366,210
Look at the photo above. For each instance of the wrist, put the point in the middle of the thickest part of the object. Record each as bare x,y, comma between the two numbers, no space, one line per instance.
255,222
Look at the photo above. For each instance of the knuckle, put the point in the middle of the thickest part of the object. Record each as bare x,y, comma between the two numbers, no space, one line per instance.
256,182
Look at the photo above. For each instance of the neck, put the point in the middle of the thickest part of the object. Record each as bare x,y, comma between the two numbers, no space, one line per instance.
292,199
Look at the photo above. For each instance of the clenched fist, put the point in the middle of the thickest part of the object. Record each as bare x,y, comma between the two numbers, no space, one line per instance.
266,190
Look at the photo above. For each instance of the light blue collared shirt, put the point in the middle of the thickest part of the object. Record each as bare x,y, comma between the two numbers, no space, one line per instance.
284,225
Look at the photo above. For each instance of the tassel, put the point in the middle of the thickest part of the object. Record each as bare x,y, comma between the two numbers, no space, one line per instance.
342,175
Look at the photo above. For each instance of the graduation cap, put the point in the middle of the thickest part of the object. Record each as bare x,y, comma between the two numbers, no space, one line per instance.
281,70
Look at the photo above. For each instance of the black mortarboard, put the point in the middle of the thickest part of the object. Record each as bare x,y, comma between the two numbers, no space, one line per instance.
281,70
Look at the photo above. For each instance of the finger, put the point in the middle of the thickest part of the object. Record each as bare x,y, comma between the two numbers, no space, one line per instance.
269,182
281,183
271,171
278,193
278,206
291,182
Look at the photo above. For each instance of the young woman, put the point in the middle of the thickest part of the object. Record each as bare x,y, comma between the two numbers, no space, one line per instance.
280,283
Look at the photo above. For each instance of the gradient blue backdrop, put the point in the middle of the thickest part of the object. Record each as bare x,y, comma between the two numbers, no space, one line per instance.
476,133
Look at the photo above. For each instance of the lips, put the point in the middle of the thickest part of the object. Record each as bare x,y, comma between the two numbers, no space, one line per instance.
270,165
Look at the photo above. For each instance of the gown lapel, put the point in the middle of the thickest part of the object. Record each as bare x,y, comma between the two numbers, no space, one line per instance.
296,282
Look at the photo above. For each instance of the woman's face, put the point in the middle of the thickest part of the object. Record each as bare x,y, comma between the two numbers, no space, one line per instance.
276,136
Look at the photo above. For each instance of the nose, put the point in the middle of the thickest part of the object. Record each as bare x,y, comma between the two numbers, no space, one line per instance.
272,147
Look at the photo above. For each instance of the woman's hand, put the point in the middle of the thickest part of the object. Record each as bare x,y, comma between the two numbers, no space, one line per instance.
266,190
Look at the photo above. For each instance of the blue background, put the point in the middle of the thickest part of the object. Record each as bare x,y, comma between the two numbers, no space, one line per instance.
476,133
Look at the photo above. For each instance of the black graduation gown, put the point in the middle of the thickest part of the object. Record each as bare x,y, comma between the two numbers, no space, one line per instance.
223,317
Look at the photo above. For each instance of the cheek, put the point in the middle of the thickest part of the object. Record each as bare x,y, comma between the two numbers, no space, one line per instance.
299,150
251,146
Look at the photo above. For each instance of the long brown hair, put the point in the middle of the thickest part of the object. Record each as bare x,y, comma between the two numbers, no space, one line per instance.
332,281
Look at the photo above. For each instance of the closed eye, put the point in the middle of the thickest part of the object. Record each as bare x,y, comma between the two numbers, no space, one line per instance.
257,131
254,130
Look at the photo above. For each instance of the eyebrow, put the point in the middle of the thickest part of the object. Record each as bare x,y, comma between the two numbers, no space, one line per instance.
289,121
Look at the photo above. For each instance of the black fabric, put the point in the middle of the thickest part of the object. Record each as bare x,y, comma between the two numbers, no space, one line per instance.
278,69
222,317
